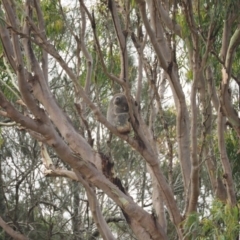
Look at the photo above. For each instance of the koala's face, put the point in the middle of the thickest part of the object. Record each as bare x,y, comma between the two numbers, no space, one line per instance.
118,100
121,104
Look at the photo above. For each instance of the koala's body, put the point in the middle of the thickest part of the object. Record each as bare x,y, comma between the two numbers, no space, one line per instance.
118,113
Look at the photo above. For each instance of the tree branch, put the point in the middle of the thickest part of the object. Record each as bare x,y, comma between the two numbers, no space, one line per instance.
225,160
11,232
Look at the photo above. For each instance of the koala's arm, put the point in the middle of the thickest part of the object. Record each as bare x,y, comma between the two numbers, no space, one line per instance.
122,123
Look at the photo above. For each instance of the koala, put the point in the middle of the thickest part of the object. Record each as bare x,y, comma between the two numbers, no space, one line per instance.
118,113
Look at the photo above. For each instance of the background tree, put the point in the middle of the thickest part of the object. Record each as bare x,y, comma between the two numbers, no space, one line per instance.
173,174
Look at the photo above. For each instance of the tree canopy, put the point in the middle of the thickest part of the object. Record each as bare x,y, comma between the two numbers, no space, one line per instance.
66,172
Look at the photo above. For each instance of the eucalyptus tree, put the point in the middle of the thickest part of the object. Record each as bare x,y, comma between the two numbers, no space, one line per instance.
176,63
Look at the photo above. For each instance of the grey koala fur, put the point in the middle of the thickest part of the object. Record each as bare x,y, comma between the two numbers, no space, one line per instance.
118,113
